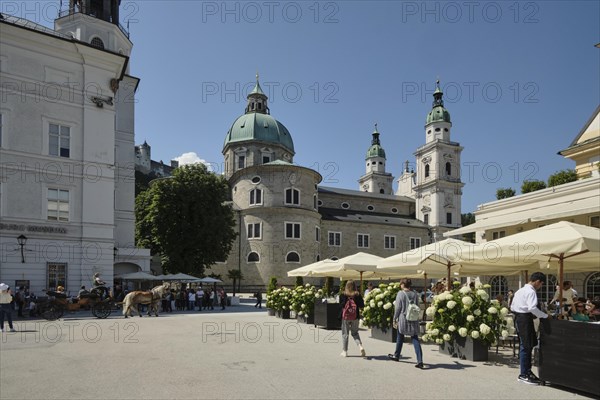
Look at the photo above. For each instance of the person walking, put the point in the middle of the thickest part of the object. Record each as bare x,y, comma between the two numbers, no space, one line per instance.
258,296
351,302
525,308
5,308
406,325
222,297
199,297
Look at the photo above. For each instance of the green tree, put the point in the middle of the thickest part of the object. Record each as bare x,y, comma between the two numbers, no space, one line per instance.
505,193
532,186
328,288
236,276
272,284
186,219
468,219
299,281
561,177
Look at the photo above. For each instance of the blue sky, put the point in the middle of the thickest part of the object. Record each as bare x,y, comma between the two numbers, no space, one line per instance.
520,78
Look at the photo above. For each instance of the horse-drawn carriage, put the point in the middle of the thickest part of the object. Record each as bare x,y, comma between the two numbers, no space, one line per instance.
57,303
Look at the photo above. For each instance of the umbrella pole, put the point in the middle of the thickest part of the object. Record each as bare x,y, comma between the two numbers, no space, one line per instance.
425,291
526,276
360,287
560,282
449,283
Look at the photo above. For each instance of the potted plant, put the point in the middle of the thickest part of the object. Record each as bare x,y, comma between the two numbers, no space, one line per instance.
280,301
327,310
465,322
379,311
303,303
271,287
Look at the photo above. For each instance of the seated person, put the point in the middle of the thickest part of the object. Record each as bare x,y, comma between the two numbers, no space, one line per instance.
581,314
98,286
568,297
83,291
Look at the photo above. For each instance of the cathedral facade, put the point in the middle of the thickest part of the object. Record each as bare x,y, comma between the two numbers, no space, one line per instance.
286,219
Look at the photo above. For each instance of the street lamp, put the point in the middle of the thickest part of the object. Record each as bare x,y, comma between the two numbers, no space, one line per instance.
22,239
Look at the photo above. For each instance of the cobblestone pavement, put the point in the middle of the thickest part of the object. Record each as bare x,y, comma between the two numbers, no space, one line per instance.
239,353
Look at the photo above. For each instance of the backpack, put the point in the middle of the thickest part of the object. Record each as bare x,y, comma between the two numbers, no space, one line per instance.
412,311
350,309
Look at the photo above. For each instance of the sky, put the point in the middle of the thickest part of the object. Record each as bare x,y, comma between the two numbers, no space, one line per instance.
520,80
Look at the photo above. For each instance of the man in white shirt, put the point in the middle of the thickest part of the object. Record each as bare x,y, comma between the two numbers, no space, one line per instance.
199,297
525,308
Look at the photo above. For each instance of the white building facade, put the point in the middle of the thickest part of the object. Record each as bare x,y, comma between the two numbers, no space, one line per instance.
67,151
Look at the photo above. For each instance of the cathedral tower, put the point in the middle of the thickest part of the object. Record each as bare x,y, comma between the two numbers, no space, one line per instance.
375,179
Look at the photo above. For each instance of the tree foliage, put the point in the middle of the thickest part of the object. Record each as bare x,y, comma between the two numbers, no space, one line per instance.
236,276
532,186
299,281
504,193
561,177
468,219
185,219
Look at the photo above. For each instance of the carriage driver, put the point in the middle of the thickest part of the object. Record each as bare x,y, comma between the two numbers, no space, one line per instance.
99,286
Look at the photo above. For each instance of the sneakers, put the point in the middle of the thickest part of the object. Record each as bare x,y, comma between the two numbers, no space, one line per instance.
363,353
12,330
529,379
420,366
344,354
393,357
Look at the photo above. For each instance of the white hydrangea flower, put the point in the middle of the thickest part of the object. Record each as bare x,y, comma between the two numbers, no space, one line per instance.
439,341
303,306
477,312
380,304
478,285
493,310
300,313
379,297
367,308
504,334
470,318
425,338
475,334
504,312
495,302
446,337
462,332
452,328
449,297
483,294
451,304
484,329
430,311
372,303
464,290
428,325
387,306
435,332
467,301
487,286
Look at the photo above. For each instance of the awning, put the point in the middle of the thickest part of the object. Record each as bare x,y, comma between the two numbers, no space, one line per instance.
489,223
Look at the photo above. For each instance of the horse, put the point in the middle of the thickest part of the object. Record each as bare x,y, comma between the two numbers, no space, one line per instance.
152,297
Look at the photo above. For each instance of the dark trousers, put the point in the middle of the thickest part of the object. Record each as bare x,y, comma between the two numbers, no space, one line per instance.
527,340
6,312
258,302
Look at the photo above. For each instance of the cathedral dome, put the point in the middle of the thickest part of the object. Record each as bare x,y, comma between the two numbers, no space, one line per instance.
438,114
259,127
375,151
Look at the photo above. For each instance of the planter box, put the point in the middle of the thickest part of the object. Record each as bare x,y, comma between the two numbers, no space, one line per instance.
466,349
304,319
326,315
283,314
388,335
270,312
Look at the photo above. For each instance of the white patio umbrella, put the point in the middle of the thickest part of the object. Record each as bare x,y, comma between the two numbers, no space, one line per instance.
208,279
306,270
138,276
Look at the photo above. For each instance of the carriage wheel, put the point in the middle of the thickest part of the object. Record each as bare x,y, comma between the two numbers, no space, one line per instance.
101,310
52,311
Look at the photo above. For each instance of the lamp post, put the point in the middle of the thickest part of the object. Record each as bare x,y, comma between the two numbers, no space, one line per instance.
22,240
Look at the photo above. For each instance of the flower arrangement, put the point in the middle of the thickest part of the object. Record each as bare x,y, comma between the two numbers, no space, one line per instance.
466,312
379,305
303,300
279,299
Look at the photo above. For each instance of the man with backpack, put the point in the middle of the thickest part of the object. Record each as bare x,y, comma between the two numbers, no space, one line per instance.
406,316
350,304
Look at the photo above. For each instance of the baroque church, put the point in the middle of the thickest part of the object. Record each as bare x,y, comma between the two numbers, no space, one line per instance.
285,219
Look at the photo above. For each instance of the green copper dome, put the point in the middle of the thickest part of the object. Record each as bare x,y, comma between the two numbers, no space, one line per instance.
375,150
438,113
259,127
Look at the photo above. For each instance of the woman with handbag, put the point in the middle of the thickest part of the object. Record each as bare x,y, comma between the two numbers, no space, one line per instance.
407,321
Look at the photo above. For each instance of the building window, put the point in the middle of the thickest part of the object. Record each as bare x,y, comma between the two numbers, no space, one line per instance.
370,208
592,285
241,162
426,219
56,275
498,234
389,242
58,205
395,210
320,203
499,285
448,218
426,170
546,293
448,169
335,239
594,221
292,230
345,205
292,196
256,180
97,43
415,243
292,257
266,159
256,197
318,257
317,234
253,257
254,230
362,241
59,140
315,202
381,191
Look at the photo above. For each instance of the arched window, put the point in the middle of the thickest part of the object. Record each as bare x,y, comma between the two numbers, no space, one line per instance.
292,257
546,293
592,285
426,170
253,257
256,197
318,258
448,169
98,43
499,285
381,191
